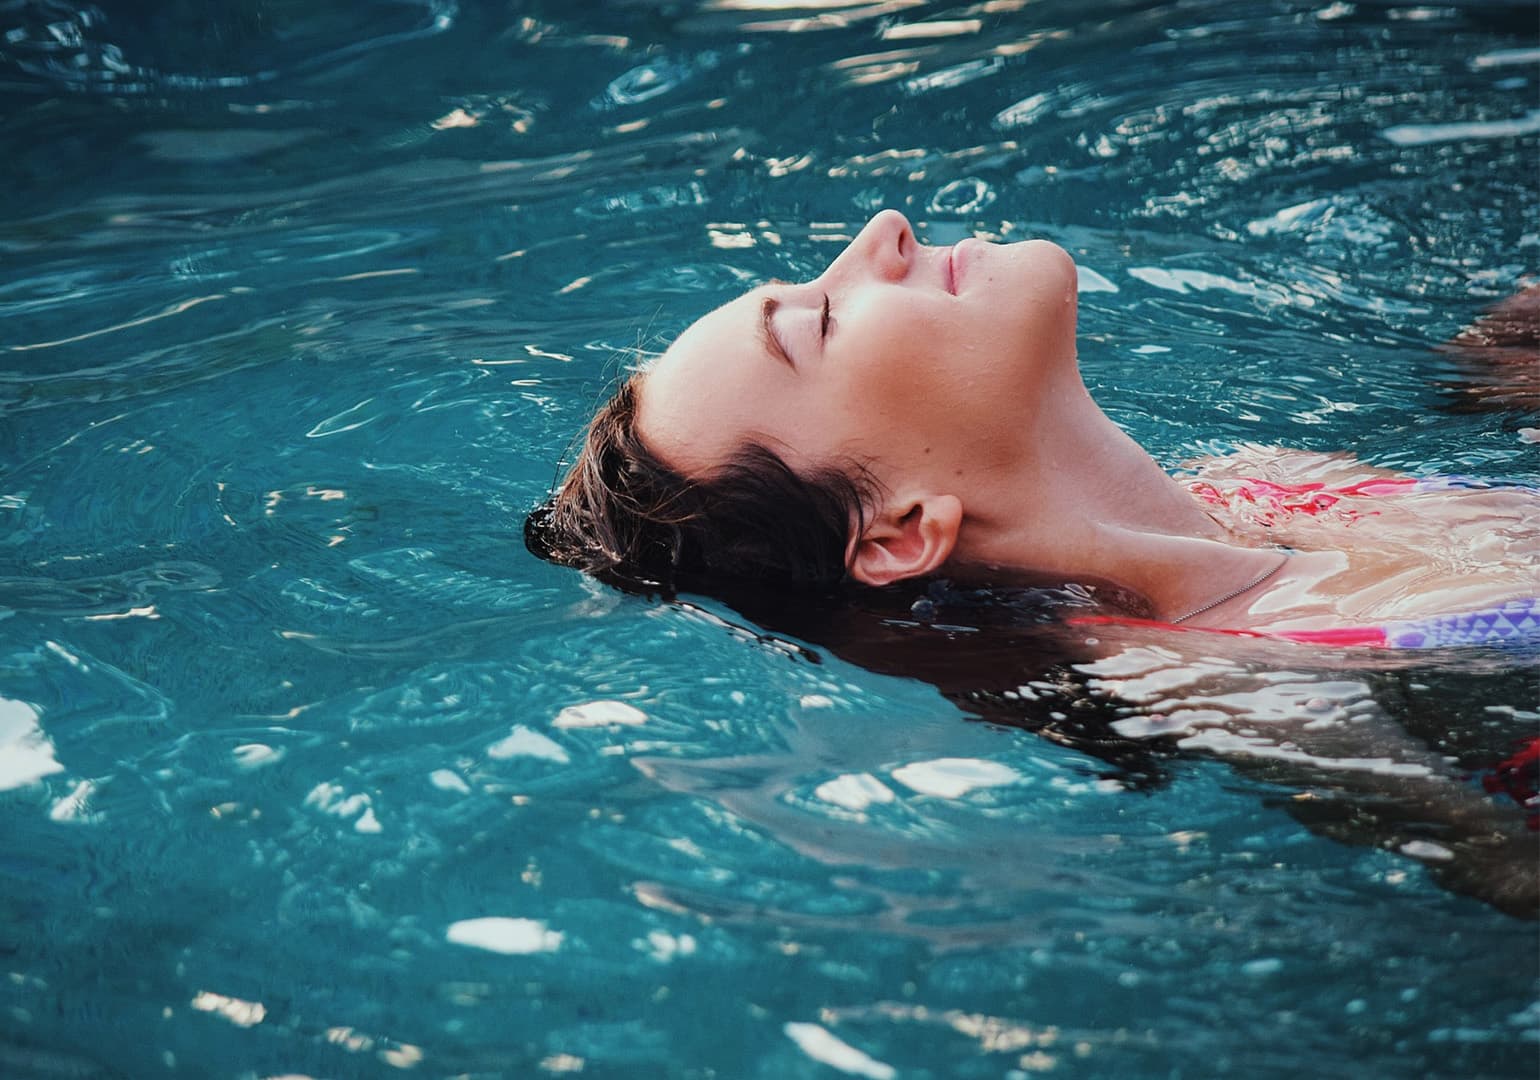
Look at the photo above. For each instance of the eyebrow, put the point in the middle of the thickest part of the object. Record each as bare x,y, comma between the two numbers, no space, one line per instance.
767,335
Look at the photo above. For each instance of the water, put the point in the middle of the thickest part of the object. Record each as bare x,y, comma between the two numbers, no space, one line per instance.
301,303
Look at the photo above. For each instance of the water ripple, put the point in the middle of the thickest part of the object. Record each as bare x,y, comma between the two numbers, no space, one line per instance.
58,43
303,303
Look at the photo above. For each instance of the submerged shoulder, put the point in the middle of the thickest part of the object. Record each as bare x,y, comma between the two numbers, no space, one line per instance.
1287,465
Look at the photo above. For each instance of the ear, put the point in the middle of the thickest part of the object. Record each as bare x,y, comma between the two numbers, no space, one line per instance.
908,538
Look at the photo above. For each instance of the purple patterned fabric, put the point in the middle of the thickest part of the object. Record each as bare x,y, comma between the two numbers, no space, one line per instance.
1517,621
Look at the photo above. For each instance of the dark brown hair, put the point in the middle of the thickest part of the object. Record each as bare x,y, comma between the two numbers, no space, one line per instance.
626,516
771,543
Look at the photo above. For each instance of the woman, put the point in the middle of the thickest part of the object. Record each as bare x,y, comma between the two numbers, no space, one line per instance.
917,412
813,452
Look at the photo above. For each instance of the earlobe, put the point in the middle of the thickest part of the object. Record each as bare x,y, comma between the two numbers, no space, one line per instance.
906,539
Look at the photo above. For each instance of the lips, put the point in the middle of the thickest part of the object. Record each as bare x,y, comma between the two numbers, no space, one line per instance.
951,269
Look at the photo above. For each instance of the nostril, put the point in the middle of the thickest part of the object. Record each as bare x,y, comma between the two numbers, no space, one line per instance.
888,243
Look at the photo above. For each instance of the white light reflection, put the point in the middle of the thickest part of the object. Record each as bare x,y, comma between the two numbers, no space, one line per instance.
854,791
842,14
75,806
330,799
789,5
937,28
26,754
822,1046
1424,134
238,1012
507,936
952,778
1505,57
526,742
164,313
599,714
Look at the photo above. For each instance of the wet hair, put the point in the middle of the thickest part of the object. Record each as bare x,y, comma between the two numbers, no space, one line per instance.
770,542
627,517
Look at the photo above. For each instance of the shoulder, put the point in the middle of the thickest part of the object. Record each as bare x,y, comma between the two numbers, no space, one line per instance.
1285,465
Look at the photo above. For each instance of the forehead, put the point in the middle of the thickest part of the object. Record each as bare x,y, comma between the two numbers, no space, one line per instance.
695,403
715,329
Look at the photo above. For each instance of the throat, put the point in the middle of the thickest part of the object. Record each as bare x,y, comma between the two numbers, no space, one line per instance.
1090,504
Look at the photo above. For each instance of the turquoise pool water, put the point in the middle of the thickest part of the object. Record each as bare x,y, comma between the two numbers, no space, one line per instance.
307,768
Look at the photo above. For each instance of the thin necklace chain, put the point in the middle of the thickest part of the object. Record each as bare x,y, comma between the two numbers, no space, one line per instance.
1227,597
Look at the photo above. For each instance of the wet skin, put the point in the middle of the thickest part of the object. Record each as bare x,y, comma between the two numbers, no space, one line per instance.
919,362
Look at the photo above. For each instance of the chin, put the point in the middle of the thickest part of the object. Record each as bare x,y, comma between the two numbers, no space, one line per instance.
1054,266
1047,279
1048,306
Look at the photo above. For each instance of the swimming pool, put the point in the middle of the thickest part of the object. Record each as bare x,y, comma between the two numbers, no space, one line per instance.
307,768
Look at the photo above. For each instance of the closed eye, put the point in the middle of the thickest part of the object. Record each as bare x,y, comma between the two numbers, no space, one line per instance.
823,320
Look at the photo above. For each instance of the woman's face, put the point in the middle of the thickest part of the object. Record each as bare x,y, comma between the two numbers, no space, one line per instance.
922,363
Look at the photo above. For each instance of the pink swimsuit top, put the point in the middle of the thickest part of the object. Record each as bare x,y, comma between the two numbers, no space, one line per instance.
1276,502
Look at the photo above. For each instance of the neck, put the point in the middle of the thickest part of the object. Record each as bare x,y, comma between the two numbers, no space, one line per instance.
1081,500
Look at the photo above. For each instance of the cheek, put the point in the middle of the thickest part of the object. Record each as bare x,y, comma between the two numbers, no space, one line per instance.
907,371
924,362
923,387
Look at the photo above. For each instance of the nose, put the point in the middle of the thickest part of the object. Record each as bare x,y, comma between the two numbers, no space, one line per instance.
884,248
